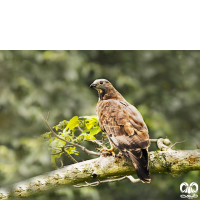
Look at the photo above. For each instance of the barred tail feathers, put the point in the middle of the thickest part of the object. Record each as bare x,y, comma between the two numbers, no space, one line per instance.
140,162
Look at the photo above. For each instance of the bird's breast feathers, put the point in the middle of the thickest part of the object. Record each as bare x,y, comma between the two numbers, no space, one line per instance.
122,119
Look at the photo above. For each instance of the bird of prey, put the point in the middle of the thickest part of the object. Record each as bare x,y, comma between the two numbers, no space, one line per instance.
124,126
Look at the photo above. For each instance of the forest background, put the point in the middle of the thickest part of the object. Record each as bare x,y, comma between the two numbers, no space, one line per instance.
163,85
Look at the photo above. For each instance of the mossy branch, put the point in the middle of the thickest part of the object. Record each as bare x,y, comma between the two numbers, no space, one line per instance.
172,162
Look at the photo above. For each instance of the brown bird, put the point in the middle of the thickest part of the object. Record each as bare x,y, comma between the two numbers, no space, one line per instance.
124,126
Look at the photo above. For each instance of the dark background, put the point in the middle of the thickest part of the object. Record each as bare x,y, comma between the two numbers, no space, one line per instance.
163,85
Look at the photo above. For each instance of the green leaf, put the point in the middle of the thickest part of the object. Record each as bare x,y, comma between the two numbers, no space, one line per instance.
85,131
55,127
72,150
66,135
87,137
79,139
92,137
45,136
62,125
66,132
72,123
53,158
90,123
58,143
94,131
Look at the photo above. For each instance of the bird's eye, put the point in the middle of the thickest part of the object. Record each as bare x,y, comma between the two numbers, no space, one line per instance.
101,82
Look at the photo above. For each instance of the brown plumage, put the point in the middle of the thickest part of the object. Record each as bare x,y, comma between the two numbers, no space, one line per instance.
124,126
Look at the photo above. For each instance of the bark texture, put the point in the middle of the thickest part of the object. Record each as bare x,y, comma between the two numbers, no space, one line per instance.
173,162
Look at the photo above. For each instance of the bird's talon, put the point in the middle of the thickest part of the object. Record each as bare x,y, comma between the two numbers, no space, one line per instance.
110,151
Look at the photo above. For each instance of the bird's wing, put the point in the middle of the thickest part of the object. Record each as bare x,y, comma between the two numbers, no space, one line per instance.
126,129
123,123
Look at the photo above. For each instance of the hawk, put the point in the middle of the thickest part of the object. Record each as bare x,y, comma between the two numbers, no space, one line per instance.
124,126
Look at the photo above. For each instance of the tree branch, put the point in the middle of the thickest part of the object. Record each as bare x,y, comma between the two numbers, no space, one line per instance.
173,162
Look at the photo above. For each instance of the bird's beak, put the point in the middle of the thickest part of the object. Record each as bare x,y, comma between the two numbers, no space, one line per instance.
93,85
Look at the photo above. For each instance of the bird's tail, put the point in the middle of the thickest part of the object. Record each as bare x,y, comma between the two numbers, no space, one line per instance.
140,161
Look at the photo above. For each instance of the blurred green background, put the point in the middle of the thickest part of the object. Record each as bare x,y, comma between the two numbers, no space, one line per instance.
163,85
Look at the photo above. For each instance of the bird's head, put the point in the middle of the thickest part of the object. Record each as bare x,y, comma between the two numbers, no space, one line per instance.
106,90
101,85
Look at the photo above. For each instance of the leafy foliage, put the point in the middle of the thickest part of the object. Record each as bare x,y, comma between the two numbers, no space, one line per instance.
76,130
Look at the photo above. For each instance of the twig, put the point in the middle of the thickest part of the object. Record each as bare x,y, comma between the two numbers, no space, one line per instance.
69,155
63,150
153,140
99,143
74,144
113,180
197,145
54,148
61,161
60,150
56,153
133,180
87,184
98,182
48,114
177,143
80,128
